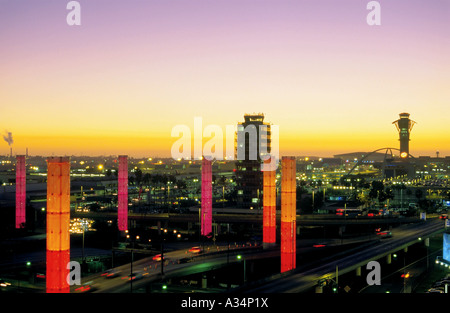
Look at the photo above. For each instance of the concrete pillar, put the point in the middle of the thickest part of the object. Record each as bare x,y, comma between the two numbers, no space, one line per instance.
319,289
389,258
405,249
358,271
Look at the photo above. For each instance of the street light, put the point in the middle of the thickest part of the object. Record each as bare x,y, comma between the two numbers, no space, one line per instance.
239,257
84,223
162,251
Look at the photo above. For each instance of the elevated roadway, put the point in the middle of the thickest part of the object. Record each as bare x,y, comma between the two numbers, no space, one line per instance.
299,280
302,220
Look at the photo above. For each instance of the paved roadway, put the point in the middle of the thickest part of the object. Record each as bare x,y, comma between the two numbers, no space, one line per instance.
403,236
149,270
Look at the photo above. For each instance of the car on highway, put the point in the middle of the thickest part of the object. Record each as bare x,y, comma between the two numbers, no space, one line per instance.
86,287
111,273
196,250
40,275
443,216
157,257
441,283
372,213
4,283
135,276
384,234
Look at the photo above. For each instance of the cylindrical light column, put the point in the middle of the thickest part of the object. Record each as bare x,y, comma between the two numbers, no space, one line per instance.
288,214
269,204
122,193
206,206
20,191
58,222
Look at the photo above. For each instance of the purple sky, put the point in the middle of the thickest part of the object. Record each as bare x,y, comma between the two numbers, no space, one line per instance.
137,68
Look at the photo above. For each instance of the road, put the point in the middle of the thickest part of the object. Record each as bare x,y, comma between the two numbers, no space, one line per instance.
295,282
214,258
148,269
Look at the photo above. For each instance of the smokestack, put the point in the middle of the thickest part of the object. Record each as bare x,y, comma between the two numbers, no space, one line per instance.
10,152
8,138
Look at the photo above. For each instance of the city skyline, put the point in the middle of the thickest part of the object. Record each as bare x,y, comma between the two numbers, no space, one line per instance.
119,82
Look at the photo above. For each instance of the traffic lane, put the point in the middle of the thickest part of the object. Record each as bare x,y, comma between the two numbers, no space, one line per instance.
302,281
145,265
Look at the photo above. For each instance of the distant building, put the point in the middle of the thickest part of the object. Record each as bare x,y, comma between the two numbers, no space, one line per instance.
253,141
357,156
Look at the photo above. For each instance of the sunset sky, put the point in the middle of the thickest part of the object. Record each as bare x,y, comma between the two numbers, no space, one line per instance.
119,82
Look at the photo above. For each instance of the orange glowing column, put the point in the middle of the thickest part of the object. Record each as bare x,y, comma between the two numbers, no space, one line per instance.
20,191
58,221
122,193
269,204
288,214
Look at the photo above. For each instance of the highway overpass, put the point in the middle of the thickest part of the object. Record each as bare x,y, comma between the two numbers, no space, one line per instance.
296,281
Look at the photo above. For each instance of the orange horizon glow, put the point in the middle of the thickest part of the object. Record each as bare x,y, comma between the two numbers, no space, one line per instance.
145,145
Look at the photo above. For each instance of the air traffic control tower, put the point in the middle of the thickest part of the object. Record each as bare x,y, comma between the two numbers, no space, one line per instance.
404,165
404,126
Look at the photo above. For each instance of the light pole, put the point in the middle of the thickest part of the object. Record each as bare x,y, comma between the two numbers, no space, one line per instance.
162,251
239,257
83,226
